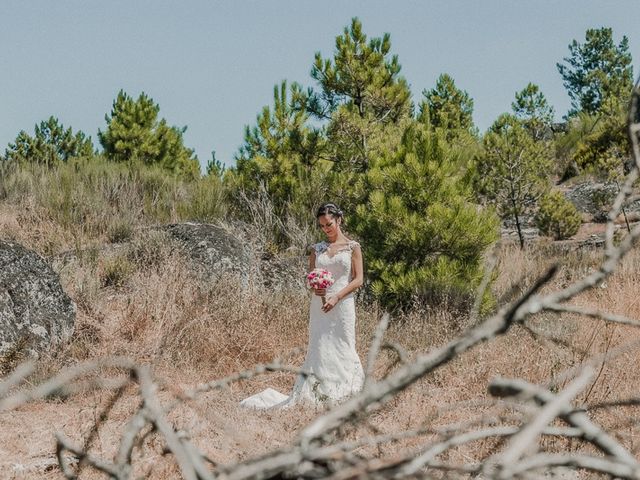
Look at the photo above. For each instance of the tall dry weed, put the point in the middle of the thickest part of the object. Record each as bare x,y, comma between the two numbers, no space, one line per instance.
81,202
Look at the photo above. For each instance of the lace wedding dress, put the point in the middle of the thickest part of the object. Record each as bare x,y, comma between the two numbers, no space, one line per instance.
331,353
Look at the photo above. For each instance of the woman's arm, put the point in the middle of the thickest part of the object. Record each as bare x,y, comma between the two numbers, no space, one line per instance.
357,273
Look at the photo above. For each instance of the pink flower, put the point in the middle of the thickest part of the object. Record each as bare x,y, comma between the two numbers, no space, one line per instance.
319,278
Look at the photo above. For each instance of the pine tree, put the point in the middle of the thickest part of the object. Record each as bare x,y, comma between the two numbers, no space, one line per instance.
604,149
282,129
215,168
362,106
447,107
135,134
279,152
533,110
51,143
424,236
404,185
172,153
361,96
597,143
513,171
596,70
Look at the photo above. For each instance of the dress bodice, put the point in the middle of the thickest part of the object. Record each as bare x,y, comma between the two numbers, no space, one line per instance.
337,262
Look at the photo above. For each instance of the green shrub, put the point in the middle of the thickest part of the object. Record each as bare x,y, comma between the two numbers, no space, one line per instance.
424,239
120,230
557,217
603,198
115,271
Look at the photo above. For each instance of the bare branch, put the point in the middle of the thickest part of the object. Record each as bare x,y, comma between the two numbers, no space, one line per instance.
578,419
127,441
374,349
606,466
64,444
425,458
16,377
526,438
275,366
593,313
60,381
156,415
490,266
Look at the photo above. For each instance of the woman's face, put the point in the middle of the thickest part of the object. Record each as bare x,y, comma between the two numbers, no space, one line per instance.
329,225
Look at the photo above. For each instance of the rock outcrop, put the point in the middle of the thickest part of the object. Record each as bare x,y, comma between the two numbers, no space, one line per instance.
35,313
595,199
214,251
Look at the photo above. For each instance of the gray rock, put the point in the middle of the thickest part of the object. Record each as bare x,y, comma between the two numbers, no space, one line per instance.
528,234
214,251
596,199
283,272
527,221
35,313
592,198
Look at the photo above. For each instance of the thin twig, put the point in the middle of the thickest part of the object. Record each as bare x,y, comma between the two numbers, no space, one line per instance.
374,349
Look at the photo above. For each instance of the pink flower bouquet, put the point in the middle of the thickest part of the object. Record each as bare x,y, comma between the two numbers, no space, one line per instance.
320,278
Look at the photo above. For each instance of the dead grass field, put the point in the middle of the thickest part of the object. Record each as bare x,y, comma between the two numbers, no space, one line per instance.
141,301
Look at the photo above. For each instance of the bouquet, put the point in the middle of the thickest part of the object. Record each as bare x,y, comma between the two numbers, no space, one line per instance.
320,278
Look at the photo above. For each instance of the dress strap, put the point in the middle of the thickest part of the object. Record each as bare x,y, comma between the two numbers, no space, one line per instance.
320,247
353,244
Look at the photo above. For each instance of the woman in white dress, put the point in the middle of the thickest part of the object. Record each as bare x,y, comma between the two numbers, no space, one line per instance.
331,354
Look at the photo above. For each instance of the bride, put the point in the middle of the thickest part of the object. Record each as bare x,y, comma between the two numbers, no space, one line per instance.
332,360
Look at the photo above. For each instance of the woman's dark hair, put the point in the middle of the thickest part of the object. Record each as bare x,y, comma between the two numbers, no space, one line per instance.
329,209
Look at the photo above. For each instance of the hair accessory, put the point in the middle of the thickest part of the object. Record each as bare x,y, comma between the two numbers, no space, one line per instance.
330,208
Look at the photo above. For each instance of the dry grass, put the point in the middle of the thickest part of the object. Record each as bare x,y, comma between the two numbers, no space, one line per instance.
190,331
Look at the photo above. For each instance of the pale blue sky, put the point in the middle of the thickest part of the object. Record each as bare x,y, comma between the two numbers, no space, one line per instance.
212,65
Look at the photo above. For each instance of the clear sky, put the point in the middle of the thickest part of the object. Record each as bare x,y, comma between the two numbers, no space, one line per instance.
211,65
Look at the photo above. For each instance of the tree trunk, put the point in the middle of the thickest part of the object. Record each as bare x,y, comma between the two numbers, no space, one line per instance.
515,214
519,228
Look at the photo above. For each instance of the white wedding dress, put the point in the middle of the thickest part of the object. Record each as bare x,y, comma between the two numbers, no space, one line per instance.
331,354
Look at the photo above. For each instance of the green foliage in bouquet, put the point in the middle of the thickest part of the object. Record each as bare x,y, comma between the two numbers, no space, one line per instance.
557,217
425,238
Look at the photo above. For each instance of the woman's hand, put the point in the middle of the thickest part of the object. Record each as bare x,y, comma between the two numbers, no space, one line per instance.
321,292
329,303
